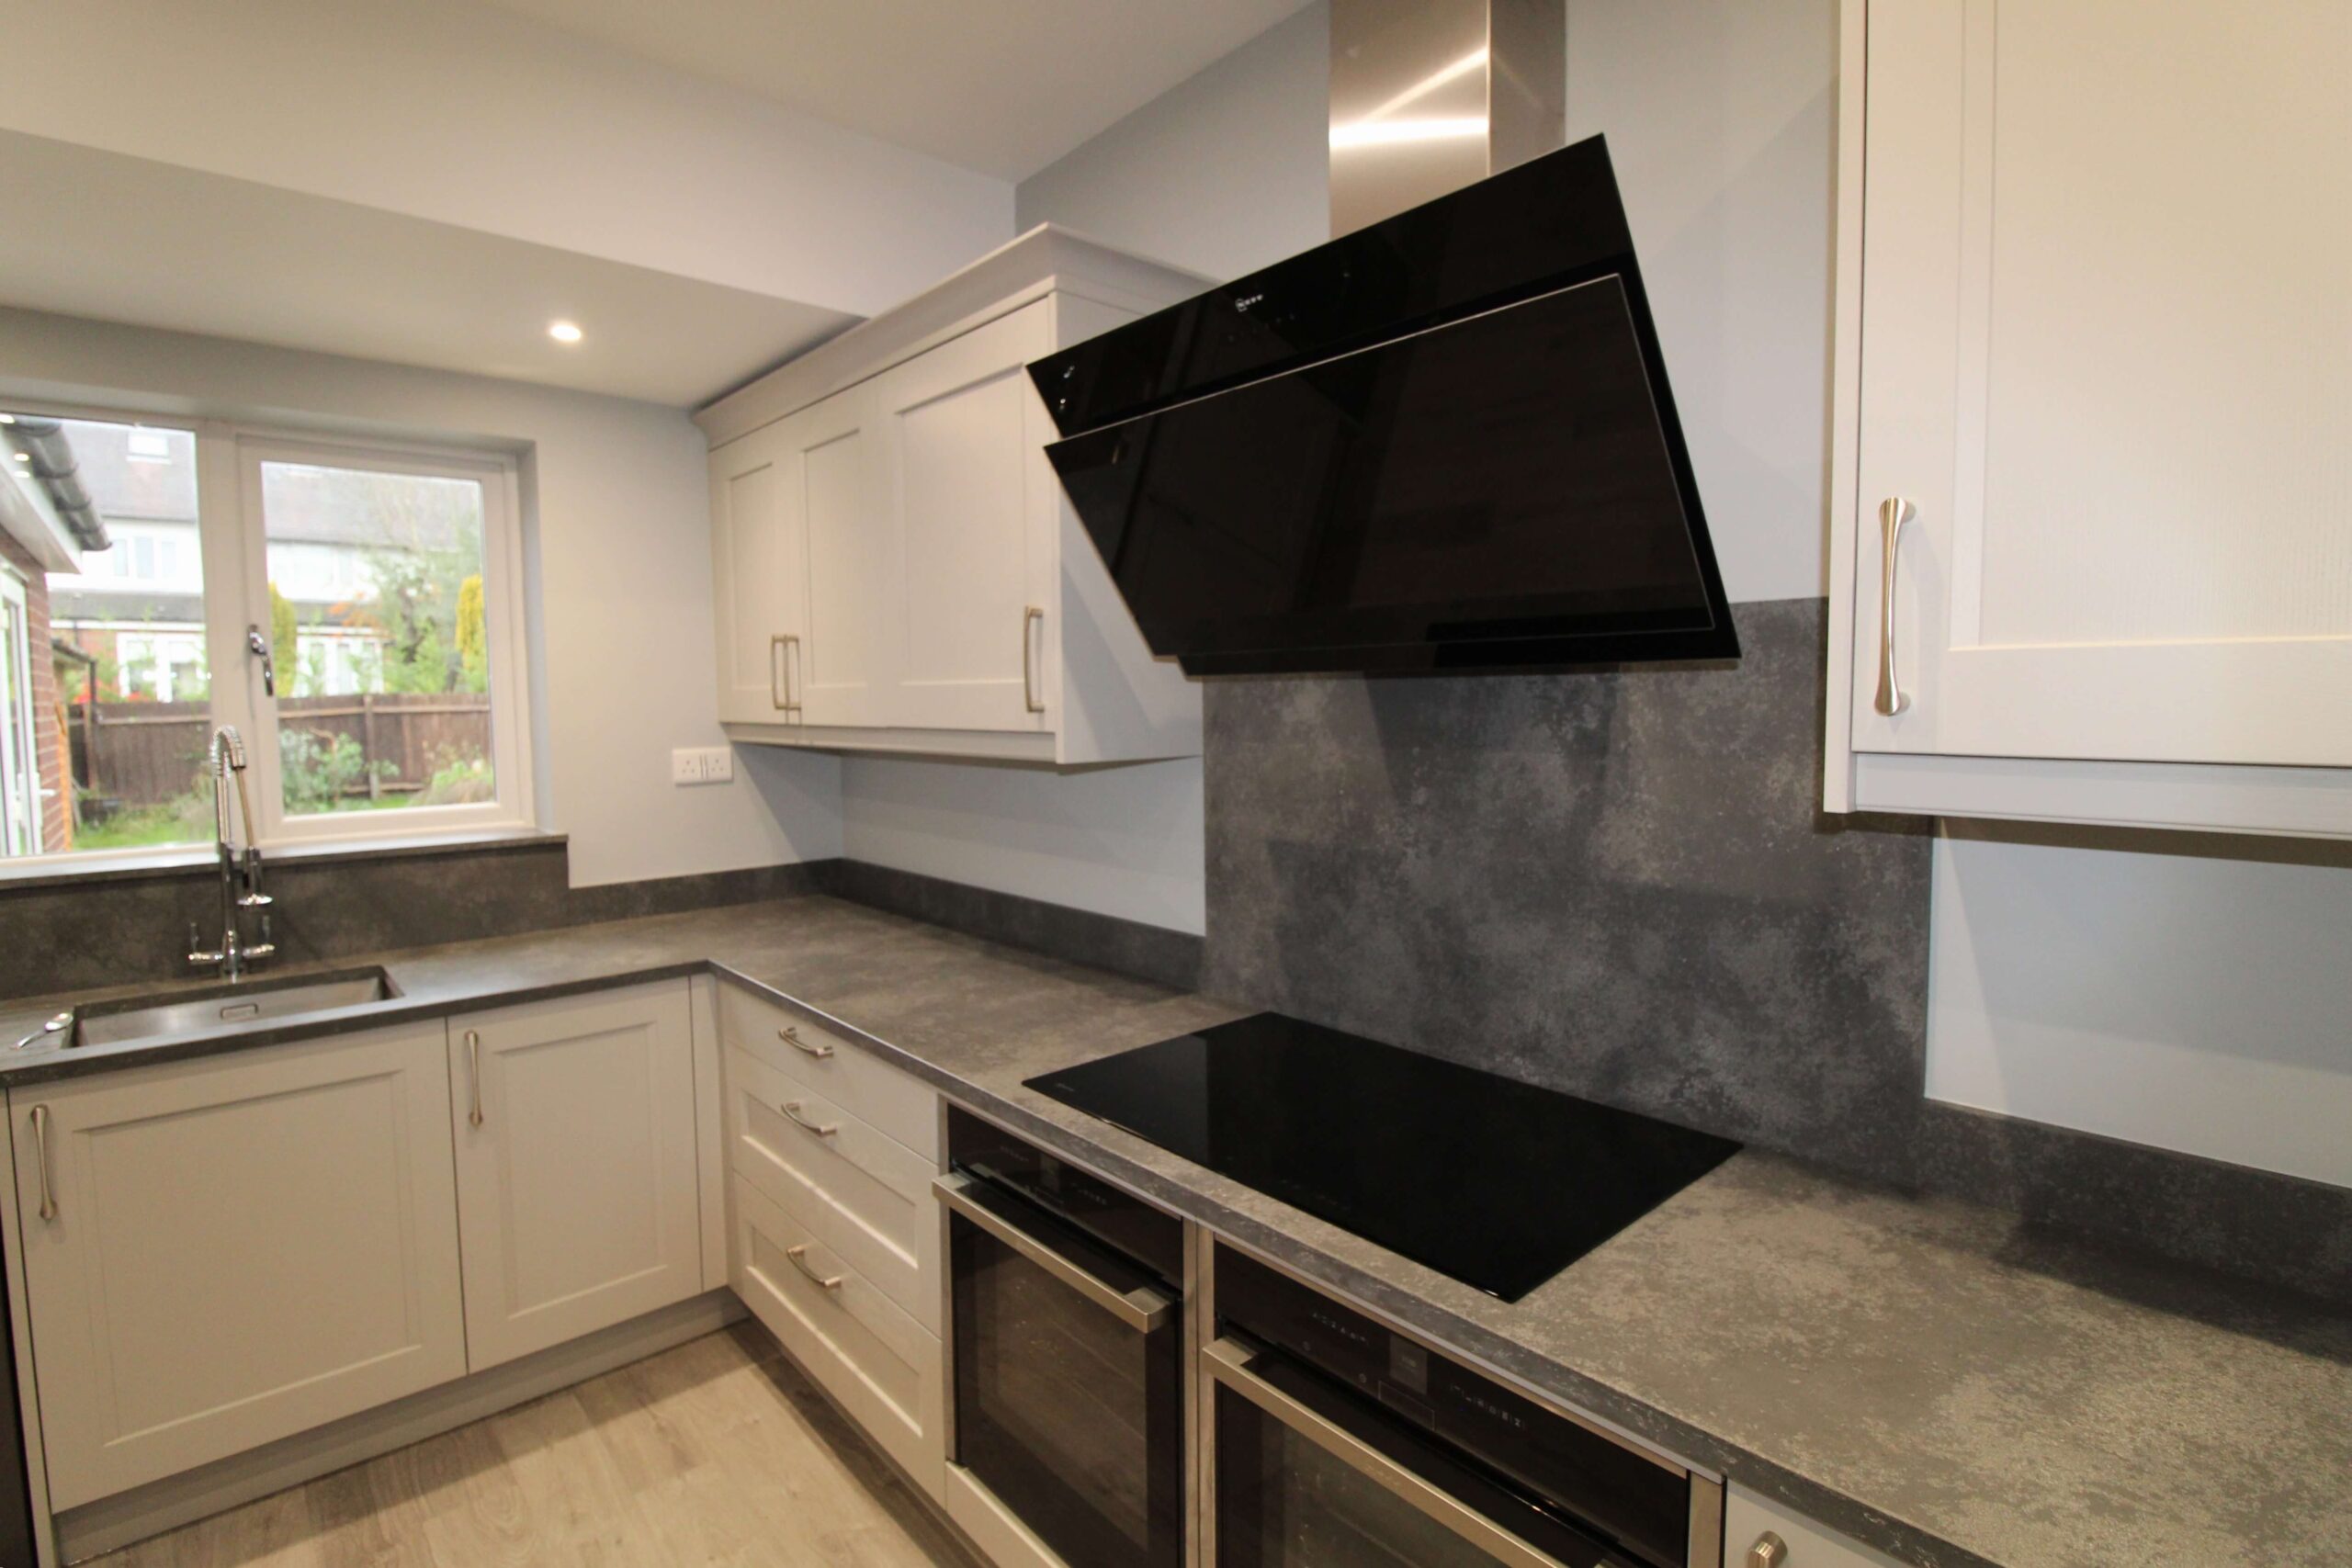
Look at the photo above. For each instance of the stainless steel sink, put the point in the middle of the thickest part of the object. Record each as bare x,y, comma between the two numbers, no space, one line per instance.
164,1016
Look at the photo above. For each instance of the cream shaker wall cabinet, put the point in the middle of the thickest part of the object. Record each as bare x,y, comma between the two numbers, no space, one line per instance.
2092,552
897,569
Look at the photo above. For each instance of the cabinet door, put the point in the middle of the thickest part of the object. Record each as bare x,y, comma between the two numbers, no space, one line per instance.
2106,253
235,1250
1752,1523
759,561
975,505
842,674
578,1202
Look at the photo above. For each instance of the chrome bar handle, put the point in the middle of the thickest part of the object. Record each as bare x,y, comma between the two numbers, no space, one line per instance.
823,1129
1892,512
799,1256
791,657
1030,612
1769,1552
790,1035
1228,1362
1142,1309
41,1154
474,1071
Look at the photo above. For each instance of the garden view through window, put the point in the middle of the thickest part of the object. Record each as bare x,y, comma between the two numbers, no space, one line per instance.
372,579
380,636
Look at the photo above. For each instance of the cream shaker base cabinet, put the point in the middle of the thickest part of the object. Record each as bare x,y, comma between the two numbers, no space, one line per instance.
223,1252
2093,552
578,1185
896,567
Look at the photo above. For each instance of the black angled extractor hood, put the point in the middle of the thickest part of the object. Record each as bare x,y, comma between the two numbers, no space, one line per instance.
1443,442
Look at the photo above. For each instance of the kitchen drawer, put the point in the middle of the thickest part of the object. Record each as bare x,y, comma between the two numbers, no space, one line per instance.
851,1075
1751,1522
881,1365
865,1196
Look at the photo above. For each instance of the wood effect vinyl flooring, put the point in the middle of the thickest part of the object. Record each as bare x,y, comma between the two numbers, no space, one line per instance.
717,1454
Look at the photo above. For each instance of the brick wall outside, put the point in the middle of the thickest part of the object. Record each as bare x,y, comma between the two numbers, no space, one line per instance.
49,717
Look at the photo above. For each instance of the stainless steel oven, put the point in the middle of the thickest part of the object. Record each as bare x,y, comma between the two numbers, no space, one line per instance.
1068,1372
1337,1441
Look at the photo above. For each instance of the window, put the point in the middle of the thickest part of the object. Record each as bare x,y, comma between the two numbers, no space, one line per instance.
140,563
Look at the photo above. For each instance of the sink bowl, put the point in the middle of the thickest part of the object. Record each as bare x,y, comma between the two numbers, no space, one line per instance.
185,1011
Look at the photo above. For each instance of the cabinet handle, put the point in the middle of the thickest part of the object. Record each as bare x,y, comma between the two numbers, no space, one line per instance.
1892,512
41,1154
799,1256
790,1035
784,650
823,1129
1769,1552
1028,665
474,1071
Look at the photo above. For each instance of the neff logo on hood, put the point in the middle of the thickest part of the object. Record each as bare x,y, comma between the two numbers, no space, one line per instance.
1245,301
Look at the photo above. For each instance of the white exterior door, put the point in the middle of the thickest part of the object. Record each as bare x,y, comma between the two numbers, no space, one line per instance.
222,1253
841,674
975,505
760,561
19,742
578,1184
2107,358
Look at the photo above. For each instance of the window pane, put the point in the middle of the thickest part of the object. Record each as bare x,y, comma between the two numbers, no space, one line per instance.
102,649
377,625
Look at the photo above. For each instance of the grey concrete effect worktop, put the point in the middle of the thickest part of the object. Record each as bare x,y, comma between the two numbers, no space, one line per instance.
1930,1377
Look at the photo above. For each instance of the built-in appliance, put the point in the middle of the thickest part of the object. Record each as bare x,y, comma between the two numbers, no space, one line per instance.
1067,1378
1443,442
1498,1183
1338,1440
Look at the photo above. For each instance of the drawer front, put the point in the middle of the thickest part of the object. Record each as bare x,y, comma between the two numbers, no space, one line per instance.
882,1366
845,1072
865,1196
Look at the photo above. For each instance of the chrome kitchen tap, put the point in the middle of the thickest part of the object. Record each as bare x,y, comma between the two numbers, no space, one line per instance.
239,874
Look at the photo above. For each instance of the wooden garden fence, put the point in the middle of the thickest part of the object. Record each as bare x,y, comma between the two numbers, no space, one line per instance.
144,753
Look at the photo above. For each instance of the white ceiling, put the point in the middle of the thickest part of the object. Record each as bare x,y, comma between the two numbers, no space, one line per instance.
88,233
1004,88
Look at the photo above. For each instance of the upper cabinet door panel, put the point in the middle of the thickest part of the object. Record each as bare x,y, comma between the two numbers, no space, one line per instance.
842,674
976,518
759,557
2107,355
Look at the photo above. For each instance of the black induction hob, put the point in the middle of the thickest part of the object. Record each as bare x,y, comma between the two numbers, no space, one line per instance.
1495,1183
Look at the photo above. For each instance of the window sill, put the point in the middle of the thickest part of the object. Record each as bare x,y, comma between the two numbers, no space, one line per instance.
66,871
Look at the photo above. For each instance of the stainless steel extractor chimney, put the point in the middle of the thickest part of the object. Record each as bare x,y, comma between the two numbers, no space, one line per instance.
1429,95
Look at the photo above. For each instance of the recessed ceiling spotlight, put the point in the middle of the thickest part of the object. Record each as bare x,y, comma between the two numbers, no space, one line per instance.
7,419
21,457
564,331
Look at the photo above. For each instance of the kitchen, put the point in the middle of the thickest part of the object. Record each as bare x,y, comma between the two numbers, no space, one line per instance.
885,1009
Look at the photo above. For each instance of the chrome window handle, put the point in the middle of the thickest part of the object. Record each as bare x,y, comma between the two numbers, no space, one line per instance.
823,1129
1028,661
474,1071
41,1154
1892,512
790,1035
258,647
799,1256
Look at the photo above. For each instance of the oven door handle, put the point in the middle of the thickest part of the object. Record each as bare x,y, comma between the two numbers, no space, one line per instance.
1227,1360
1142,1309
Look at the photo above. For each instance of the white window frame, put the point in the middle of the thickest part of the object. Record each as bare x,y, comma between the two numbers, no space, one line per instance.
502,587
17,719
236,595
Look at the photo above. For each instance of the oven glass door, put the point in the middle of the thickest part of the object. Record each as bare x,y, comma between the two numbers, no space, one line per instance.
1310,1478
1068,1398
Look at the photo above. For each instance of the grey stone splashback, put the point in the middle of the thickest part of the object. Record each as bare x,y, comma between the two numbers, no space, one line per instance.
1618,884
68,933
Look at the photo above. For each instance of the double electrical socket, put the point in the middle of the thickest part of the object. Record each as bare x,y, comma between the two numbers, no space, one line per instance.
702,765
